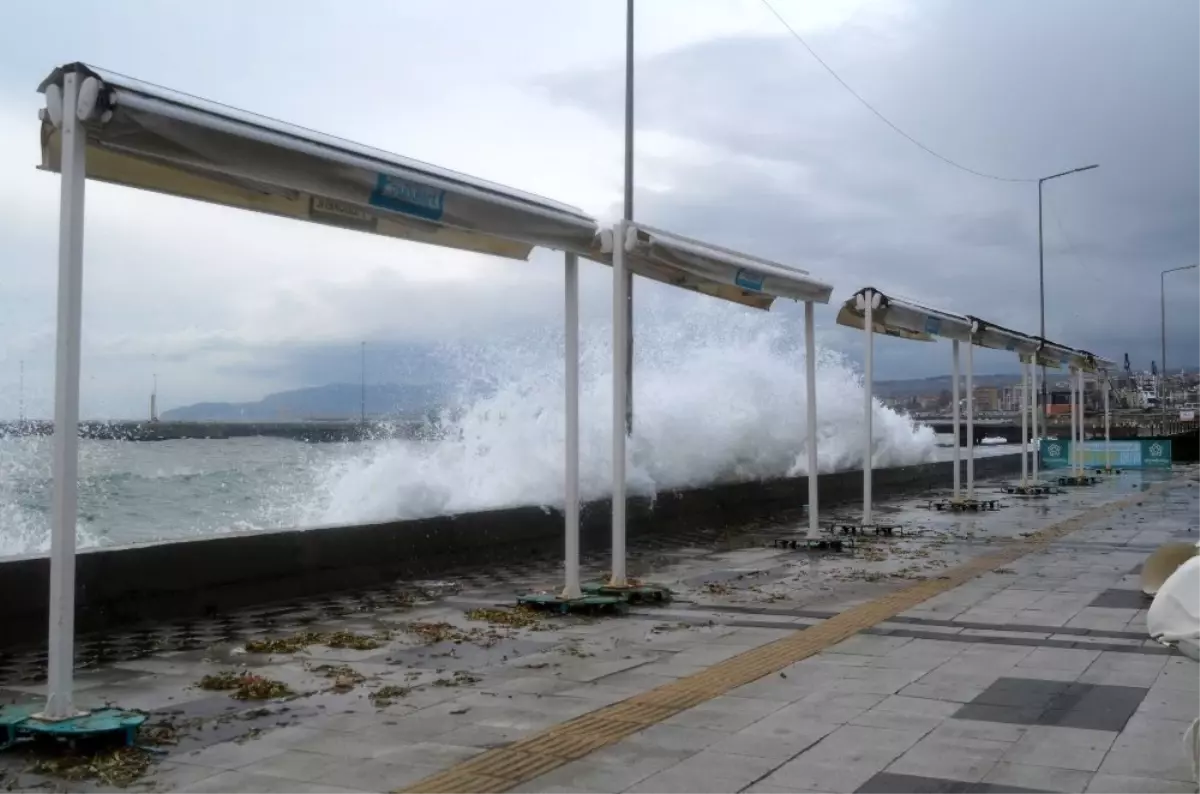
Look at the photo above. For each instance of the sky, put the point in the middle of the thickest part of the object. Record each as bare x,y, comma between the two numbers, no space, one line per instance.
742,139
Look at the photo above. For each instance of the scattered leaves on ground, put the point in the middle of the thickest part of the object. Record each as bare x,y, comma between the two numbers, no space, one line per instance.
344,676
519,618
158,734
245,686
298,642
384,696
119,767
461,678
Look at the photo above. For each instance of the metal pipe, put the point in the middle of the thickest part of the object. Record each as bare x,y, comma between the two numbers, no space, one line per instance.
810,387
1042,298
1033,420
1162,308
64,510
571,360
970,420
1042,276
1107,427
620,351
1162,283
1079,395
1025,365
628,214
868,367
954,396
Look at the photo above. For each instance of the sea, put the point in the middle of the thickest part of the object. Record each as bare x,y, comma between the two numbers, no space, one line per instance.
713,407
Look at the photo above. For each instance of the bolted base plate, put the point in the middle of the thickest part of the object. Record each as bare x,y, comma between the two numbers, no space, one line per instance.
1073,480
634,592
20,721
864,529
587,604
965,505
835,545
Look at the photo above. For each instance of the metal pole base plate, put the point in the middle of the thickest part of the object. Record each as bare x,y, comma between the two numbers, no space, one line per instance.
19,722
1075,480
1029,490
634,592
965,505
587,604
865,529
835,545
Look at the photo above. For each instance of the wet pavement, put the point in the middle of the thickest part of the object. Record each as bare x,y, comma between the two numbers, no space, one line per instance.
1036,676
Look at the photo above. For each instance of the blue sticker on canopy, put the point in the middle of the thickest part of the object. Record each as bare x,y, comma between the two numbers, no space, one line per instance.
933,325
409,198
748,280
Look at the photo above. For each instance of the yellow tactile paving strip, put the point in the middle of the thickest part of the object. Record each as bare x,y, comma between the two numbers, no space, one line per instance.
506,767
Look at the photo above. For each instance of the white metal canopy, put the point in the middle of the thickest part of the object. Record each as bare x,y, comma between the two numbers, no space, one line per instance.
149,137
712,270
900,317
105,126
709,269
873,312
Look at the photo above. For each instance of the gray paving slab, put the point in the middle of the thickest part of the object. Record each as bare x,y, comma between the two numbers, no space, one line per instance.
832,722
1064,748
1102,783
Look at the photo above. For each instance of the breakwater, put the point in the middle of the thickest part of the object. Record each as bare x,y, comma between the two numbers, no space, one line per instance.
314,431
122,586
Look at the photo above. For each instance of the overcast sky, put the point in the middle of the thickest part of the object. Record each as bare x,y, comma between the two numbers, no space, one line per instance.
742,139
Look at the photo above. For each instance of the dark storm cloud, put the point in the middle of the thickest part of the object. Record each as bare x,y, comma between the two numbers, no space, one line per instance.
1017,88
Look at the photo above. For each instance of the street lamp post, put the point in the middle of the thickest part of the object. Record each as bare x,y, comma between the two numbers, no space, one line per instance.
1042,276
1162,282
628,210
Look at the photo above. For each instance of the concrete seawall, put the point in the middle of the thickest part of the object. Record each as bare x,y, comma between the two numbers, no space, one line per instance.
203,577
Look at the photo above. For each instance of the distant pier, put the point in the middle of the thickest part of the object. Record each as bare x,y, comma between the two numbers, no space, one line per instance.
313,431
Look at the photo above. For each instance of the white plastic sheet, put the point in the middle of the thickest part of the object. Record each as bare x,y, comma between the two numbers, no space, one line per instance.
1174,616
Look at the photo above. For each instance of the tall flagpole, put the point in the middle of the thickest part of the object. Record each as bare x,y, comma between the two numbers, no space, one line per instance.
628,214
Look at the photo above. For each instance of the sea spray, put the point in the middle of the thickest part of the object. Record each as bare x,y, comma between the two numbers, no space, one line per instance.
713,403
719,396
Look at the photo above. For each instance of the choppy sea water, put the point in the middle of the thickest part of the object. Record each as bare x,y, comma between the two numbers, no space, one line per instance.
724,405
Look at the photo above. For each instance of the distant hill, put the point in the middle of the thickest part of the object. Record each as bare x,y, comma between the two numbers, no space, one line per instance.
331,401
924,386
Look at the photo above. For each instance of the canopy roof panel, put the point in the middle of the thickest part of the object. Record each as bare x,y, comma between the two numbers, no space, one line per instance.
903,318
148,137
709,269
997,337
1052,354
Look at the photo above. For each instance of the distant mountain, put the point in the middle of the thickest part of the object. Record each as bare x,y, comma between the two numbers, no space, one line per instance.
331,401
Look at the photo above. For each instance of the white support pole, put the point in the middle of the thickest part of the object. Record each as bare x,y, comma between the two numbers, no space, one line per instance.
1033,416
59,702
1074,442
810,387
1071,394
971,420
1079,393
1024,422
954,396
1107,427
868,399
571,357
620,321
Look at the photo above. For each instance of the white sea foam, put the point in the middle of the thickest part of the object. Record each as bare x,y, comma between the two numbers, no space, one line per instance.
719,396
712,404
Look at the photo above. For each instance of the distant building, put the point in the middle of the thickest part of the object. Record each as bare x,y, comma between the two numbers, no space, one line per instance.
987,398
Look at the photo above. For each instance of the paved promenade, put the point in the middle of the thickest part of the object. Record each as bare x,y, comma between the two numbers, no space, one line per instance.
1001,651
